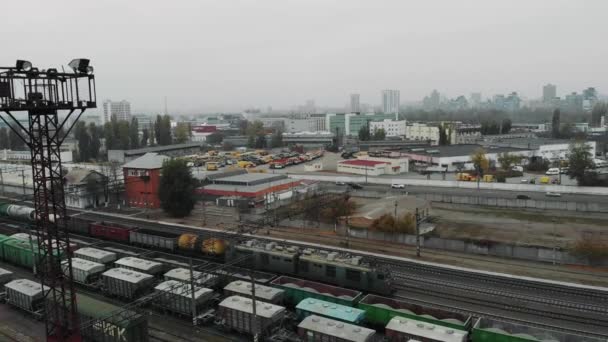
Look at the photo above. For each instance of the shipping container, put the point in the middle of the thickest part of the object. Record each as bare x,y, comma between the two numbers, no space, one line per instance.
177,297
96,255
105,322
5,276
140,265
154,239
297,290
401,329
84,271
320,329
183,275
26,294
380,310
126,283
265,293
110,231
490,330
344,313
236,313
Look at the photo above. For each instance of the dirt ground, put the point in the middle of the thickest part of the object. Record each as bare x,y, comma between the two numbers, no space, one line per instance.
539,228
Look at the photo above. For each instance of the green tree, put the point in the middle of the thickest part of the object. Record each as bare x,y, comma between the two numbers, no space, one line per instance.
505,127
255,128
108,133
251,141
480,161
157,129
95,134
145,136
379,134
84,141
277,138
580,160
215,138
507,160
4,142
134,133
364,133
176,188
555,123
182,133
123,135
260,141
599,109
165,131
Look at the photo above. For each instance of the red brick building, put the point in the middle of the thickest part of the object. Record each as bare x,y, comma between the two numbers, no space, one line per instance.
142,178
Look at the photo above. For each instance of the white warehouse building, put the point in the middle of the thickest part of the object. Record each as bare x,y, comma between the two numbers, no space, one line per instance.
423,132
392,128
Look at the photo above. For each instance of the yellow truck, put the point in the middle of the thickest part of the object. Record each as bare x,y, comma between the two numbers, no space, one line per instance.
245,164
211,166
545,180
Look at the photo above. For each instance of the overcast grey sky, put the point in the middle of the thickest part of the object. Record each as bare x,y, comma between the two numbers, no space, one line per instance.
228,55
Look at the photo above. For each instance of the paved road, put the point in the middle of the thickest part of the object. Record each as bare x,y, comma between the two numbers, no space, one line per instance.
471,192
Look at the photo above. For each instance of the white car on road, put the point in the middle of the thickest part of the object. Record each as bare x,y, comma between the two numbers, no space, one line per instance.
398,186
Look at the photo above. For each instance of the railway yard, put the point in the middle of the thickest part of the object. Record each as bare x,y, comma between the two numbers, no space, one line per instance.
145,266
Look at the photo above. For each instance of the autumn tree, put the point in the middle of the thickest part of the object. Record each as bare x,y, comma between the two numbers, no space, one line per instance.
507,160
580,160
480,160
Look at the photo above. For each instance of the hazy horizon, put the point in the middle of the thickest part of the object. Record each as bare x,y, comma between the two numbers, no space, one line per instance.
231,55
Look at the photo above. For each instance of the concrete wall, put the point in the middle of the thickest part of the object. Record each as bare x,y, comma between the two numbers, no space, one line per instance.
517,203
503,250
565,189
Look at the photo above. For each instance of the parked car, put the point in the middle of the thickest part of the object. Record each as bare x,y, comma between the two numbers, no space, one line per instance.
518,168
398,186
554,171
340,183
553,194
355,186
523,197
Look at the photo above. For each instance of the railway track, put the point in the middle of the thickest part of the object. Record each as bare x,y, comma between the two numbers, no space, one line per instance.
556,306
498,307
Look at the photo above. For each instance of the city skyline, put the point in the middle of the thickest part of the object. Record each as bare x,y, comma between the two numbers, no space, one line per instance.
218,56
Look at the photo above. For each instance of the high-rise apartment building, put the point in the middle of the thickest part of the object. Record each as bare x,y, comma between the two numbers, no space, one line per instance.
549,93
355,106
121,109
390,101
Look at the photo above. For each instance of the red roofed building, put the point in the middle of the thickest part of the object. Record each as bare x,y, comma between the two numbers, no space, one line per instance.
374,166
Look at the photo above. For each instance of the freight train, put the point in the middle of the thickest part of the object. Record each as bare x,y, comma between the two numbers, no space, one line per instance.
342,269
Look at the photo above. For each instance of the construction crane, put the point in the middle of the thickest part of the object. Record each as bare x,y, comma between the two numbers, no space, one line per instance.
43,94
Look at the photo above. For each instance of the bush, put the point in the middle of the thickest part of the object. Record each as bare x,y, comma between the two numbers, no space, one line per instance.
592,248
538,165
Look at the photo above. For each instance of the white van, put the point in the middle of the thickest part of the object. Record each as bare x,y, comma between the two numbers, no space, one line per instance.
554,171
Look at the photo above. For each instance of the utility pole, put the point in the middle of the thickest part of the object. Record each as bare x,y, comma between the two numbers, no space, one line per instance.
2,182
23,181
396,204
254,316
193,293
417,234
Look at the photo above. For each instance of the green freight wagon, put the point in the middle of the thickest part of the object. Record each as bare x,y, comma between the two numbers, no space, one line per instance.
296,290
104,322
3,238
110,323
19,252
379,311
489,330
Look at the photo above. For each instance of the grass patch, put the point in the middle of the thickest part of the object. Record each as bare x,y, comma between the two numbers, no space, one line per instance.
529,216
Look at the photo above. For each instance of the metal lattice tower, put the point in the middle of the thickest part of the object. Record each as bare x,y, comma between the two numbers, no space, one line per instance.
43,94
